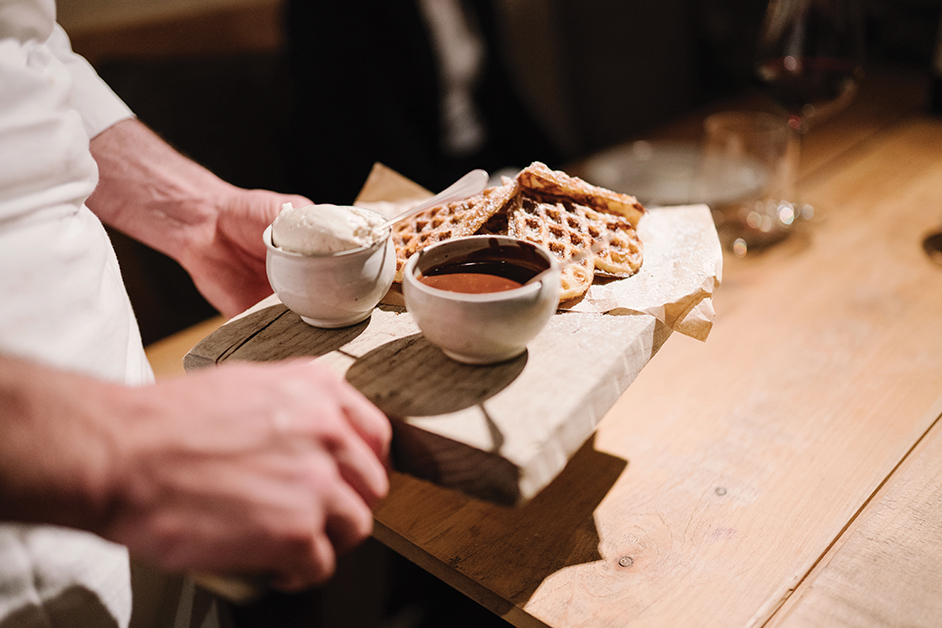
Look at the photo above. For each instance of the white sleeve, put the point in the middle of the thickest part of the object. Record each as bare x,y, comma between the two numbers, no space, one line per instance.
99,106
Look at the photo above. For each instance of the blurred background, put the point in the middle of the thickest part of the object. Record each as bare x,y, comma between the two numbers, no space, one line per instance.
303,95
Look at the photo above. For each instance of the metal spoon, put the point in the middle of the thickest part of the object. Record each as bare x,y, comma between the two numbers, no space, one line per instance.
470,184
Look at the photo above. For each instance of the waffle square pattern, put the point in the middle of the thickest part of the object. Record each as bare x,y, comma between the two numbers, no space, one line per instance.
590,230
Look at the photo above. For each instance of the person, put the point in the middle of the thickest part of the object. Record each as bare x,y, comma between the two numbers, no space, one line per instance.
243,469
421,86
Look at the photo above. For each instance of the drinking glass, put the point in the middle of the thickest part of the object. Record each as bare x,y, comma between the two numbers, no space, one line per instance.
810,58
743,177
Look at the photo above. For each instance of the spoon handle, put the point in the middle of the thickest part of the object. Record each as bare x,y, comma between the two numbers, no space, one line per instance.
468,185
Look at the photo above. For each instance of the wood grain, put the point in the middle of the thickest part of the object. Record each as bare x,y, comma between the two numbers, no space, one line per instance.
499,432
886,569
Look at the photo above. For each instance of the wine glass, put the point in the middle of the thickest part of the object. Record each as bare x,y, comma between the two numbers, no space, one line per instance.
810,58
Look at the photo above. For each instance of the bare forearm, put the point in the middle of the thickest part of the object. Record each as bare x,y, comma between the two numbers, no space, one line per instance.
241,469
56,451
150,191
213,229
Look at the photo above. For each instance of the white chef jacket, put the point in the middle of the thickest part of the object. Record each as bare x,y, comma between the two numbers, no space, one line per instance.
62,300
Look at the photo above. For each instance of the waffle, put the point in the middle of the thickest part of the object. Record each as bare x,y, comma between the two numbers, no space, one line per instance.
453,220
590,230
544,223
615,244
539,179
585,241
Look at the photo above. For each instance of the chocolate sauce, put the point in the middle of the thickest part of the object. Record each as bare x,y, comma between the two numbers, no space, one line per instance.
475,278
494,269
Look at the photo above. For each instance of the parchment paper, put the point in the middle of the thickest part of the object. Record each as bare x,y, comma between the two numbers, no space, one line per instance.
682,267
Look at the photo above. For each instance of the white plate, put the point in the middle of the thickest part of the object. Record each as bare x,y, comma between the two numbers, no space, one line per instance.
668,173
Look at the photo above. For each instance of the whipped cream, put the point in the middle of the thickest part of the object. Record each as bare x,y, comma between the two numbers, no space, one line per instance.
323,229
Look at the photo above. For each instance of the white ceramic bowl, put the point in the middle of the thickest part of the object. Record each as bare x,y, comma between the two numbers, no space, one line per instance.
481,328
334,290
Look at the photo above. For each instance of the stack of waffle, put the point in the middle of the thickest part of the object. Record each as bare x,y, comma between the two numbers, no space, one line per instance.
590,230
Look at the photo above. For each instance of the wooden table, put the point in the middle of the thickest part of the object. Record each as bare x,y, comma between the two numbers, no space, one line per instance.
787,472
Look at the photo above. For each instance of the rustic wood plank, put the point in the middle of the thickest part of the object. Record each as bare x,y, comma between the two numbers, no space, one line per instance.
553,530
228,338
747,455
508,410
886,569
498,431
504,431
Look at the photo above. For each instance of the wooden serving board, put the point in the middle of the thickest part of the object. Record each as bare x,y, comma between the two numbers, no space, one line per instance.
500,432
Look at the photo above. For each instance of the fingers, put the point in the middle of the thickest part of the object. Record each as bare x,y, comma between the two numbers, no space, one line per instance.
295,449
359,468
315,567
349,521
369,421
359,449
345,522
